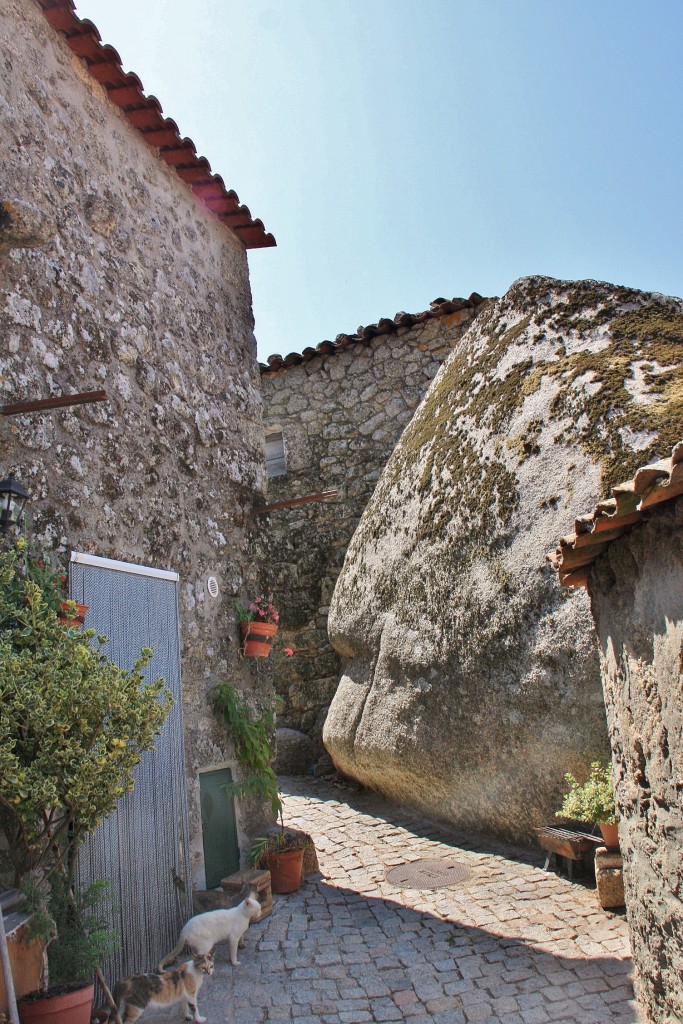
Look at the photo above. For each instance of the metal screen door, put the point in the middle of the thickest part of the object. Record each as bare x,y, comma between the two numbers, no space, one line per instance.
142,848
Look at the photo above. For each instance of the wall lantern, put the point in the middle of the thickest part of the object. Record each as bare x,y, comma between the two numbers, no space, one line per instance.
13,497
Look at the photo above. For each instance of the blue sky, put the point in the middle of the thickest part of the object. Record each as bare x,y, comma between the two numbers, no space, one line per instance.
401,150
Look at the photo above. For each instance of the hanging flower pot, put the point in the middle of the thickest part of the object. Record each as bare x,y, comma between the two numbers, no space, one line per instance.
72,614
257,638
258,625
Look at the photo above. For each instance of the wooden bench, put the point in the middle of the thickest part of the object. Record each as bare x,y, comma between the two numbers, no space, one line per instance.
568,842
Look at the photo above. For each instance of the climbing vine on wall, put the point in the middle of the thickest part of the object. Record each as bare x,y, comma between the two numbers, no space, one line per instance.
251,730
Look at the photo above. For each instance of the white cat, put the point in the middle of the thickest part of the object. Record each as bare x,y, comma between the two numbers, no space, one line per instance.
203,931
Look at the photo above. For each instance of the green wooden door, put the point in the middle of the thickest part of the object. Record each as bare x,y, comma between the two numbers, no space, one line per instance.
219,831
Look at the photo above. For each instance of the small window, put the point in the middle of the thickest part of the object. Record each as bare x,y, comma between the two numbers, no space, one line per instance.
275,453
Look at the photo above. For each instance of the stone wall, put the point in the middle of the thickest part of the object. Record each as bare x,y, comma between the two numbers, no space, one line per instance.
341,414
138,290
637,602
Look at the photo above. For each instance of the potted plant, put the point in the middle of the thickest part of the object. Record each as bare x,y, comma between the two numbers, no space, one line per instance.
258,622
52,581
76,940
282,853
73,728
593,801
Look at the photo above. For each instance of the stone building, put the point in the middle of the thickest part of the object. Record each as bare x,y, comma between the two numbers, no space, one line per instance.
629,554
332,416
123,268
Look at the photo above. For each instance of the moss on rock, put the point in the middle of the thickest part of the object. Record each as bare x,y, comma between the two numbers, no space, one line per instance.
444,607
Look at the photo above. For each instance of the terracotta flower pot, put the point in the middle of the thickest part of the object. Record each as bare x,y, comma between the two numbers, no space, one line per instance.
610,836
257,638
68,1008
285,870
69,619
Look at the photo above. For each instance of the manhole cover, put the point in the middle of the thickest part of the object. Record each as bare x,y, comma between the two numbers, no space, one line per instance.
428,874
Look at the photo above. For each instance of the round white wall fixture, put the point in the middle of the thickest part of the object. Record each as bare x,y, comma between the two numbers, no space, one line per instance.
212,586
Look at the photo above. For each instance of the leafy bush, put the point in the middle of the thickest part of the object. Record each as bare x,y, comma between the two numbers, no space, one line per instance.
593,800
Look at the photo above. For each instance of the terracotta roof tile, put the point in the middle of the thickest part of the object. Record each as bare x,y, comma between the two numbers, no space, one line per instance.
364,335
144,113
630,502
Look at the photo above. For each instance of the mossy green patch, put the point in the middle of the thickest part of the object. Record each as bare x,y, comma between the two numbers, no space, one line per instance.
471,394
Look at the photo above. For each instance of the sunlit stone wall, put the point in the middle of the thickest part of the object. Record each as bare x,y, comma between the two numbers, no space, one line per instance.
136,289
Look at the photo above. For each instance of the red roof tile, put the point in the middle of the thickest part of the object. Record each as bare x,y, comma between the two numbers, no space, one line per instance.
144,113
364,335
630,502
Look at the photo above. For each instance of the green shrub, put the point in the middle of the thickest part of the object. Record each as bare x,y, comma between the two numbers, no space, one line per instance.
77,932
593,800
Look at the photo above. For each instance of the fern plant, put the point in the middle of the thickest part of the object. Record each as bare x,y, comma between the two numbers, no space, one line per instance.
74,926
252,730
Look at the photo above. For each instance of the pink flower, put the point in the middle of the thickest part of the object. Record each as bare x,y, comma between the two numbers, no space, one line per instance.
261,612
289,652
276,617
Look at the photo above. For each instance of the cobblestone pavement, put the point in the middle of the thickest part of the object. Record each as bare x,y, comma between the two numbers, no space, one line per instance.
509,944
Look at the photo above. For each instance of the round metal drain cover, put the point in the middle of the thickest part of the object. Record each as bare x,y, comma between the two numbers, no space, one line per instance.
428,874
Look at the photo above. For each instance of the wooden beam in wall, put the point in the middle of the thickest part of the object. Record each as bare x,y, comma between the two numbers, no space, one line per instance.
290,502
58,402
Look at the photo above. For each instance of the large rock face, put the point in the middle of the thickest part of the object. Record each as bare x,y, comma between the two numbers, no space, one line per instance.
341,414
471,681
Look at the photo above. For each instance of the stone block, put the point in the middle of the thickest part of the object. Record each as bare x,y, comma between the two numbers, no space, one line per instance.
23,226
295,753
609,877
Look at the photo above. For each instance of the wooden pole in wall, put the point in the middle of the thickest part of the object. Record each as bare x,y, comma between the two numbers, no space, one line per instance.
291,502
57,402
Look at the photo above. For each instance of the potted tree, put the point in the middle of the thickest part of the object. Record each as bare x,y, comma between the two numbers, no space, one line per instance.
73,728
593,802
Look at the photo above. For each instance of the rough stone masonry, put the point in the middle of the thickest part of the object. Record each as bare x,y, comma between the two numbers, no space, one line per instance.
136,289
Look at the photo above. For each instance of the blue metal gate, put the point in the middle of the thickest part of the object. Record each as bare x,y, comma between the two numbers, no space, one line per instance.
143,846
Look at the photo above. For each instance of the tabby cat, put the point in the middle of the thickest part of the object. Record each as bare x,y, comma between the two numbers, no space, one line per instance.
133,995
